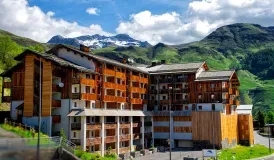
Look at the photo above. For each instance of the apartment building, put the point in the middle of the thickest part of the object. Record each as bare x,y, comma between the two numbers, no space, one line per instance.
102,103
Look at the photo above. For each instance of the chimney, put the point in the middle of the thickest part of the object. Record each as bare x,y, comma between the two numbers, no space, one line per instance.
163,61
153,64
84,48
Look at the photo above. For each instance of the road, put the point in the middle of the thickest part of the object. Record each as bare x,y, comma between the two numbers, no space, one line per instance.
7,134
258,139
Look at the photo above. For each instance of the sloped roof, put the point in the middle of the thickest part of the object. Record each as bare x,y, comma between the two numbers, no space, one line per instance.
106,112
215,75
99,58
187,67
8,72
58,60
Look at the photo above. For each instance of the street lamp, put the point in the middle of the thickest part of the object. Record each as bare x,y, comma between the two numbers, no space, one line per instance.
39,118
169,99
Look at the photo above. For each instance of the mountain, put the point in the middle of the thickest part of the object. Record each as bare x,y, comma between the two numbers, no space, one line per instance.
97,41
248,48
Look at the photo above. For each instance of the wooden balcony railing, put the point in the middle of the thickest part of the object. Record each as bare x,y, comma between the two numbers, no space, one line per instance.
6,99
94,141
138,90
108,98
75,126
94,126
125,125
121,75
7,85
56,88
136,124
121,87
109,85
236,102
88,96
137,135
143,80
136,101
88,82
111,125
110,139
125,137
109,72
56,119
124,149
121,99
164,102
75,96
134,78
56,104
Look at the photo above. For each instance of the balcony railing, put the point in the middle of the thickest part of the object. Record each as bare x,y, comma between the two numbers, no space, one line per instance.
225,101
152,91
75,96
136,101
138,90
88,82
120,75
164,102
56,103
143,80
111,151
125,137
110,125
121,87
124,149
181,101
136,124
121,99
94,141
109,85
125,125
109,72
134,78
178,80
88,96
94,126
56,119
75,126
110,139
76,141
7,99
7,85
165,80
75,81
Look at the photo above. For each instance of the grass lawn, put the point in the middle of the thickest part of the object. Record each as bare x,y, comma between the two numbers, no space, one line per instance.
243,152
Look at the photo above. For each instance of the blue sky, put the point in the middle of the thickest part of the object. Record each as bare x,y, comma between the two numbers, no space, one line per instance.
166,21
111,11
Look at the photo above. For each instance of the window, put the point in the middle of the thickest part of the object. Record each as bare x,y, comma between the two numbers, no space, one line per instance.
200,107
186,96
122,119
193,107
92,133
152,97
212,85
88,119
75,89
164,97
123,106
142,85
152,87
74,134
92,119
93,105
74,119
164,87
88,76
88,89
186,107
213,107
164,108
87,104
75,104
118,81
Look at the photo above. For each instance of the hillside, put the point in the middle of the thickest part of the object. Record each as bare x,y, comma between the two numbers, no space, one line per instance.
248,48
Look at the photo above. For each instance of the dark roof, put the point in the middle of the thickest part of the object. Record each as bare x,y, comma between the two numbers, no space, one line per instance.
99,58
58,60
187,67
215,75
8,73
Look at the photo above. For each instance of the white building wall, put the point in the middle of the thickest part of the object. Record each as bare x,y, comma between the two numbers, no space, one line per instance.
14,104
77,133
183,124
77,86
80,104
208,106
76,58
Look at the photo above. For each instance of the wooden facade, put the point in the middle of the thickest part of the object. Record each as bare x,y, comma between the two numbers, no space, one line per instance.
245,128
47,89
29,86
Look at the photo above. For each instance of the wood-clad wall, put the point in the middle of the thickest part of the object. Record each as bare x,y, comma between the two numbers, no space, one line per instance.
203,124
29,88
161,118
181,118
183,129
229,127
161,129
245,128
47,89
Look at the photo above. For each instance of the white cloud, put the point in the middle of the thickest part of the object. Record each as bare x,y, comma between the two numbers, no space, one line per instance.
94,11
21,19
201,18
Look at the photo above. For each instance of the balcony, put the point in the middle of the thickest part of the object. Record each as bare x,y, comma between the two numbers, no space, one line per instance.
164,91
7,85
75,81
152,91
164,102
94,141
56,119
136,101
179,80
120,75
236,102
137,135
136,124
109,85
110,139
111,151
224,89
88,96
75,126
138,90
108,98
108,72
75,96
76,141
148,135
134,78
181,101
88,82
6,99
94,126
121,87
230,91
121,99
110,125
124,149
165,80
143,80
125,125
125,137
56,88
56,104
